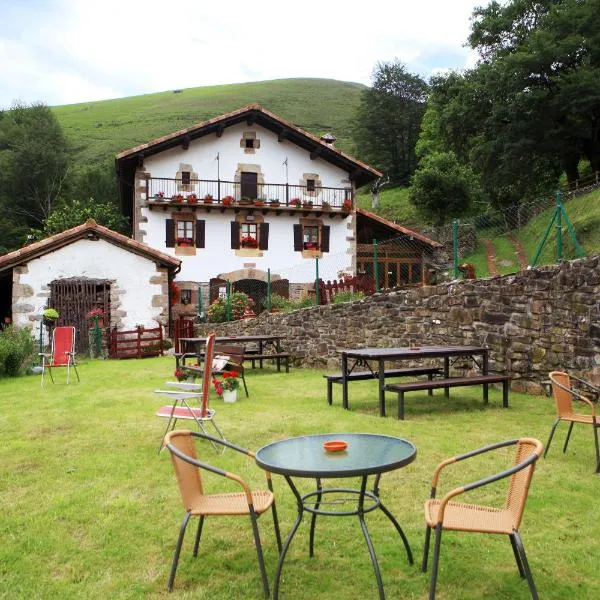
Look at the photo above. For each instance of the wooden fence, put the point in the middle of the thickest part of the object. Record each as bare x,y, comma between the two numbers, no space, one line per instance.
136,343
182,327
328,290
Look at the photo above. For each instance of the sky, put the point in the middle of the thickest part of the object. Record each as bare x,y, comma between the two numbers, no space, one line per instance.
69,51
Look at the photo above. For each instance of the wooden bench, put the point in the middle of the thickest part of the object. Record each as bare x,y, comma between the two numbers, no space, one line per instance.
277,356
413,386
364,375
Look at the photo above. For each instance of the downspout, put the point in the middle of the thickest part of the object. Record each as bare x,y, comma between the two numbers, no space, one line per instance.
170,280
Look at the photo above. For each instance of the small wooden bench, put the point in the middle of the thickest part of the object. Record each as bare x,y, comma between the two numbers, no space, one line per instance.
364,375
413,386
277,356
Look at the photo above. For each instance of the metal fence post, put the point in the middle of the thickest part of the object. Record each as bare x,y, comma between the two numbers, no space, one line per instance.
200,307
228,304
455,247
317,285
559,240
376,266
269,290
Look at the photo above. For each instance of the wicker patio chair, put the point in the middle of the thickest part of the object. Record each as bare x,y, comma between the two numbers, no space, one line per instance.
62,353
445,514
199,504
564,394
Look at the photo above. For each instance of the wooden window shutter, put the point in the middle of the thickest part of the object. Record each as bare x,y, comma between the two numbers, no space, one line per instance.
200,234
263,237
170,233
235,235
297,238
325,238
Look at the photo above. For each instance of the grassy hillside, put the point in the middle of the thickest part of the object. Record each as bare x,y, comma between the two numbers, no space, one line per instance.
99,130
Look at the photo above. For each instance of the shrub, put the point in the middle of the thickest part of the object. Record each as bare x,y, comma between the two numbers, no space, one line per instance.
277,301
347,297
217,311
16,350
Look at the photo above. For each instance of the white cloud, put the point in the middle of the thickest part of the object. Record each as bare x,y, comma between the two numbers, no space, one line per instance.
66,51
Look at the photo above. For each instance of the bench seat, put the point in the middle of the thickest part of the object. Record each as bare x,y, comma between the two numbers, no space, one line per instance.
364,375
277,356
450,382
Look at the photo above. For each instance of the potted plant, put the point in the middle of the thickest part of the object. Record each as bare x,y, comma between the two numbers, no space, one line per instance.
295,202
325,205
259,202
184,241
228,200
249,241
274,202
308,204
159,196
97,316
208,199
177,198
347,205
192,199
49,317
227,386
311,246
182,375
245,200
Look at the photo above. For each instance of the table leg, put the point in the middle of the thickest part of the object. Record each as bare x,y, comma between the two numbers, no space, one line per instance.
363,526
446,374
260,351
382,387
313,521
344,380
485,369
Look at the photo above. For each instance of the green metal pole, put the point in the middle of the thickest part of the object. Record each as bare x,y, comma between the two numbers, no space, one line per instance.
559,244
200,307
317,285
539,250
228,305
97,336
376,266
268,290
578,248
455,246
41,333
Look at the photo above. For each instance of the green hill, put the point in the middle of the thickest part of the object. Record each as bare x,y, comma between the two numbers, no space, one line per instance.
99,130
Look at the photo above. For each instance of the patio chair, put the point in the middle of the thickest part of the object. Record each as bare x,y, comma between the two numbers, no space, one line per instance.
564,394
446,514
185,399
62,353
199,504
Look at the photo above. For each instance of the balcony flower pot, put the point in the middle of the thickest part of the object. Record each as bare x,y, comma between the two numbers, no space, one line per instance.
274,202
192,199
177,198
230,396
228,200
208,199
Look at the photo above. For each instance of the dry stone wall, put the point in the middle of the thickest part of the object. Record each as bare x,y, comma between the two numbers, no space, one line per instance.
534,322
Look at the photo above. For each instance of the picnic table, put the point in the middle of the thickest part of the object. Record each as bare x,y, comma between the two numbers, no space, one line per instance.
257,348
366,357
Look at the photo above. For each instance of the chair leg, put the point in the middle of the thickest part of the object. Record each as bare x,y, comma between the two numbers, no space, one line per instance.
568,436
436,560
517,555
523,555
551,436
178,551
198,534
275,519
597,448
259,552
426,549
76,373
245,386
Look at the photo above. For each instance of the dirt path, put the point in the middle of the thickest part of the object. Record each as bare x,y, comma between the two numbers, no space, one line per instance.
520,250
490,251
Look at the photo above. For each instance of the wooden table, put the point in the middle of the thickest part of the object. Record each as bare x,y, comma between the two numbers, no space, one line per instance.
361,356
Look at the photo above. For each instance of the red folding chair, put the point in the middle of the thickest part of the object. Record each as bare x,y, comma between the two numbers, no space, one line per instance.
63,352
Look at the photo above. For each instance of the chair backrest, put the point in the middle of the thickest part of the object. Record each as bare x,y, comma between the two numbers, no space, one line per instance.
207,373
561,385
188,476
63,341
235,355
519,483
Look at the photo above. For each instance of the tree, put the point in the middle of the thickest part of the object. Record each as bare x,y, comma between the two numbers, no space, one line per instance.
442,188
33,163
388,120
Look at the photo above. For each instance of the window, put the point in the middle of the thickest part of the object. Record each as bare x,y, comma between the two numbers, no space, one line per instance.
185,177
249,235
310,237
310,185
186,296
185,233
249,143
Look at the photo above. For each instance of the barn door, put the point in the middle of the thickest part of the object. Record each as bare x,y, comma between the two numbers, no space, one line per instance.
74,298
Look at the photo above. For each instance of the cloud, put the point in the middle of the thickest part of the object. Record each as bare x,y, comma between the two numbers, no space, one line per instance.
65,52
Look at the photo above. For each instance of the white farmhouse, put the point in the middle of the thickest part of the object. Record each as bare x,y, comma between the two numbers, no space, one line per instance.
253,200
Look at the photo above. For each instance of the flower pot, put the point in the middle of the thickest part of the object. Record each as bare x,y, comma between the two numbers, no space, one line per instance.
230,396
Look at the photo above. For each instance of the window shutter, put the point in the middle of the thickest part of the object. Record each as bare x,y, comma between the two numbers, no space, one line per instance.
263,236
235,235
325,238
170,233
200,236
297,238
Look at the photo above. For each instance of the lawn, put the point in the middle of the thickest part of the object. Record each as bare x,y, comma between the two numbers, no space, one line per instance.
90,510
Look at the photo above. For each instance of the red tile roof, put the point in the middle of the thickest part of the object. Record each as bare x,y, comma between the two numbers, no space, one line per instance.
90,227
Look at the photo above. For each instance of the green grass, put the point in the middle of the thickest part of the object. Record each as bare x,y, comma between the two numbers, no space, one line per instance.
89,510
393,205
99,130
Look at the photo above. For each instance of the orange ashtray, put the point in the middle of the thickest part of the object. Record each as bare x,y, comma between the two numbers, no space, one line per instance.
335,446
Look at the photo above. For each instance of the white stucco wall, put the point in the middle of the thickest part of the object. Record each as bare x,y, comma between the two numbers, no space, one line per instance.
95,260
217,256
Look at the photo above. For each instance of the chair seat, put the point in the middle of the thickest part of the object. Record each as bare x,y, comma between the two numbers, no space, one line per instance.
461,516
182,412
232,504
579,418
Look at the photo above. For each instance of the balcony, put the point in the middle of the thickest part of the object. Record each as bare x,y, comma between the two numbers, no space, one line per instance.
229,194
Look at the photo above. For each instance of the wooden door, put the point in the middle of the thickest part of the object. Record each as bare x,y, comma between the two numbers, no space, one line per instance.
249,185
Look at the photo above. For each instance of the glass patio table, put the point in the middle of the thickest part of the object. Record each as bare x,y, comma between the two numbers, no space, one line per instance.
366,454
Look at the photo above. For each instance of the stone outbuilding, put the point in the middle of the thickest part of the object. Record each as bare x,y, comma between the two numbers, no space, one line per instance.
84,268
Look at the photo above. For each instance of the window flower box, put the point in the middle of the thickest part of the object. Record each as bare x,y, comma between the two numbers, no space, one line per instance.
311,246
295,202
248,241
183,241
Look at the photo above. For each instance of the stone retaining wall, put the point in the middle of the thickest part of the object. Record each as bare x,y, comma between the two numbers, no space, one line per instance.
534,322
